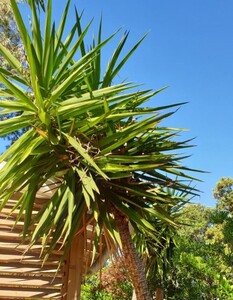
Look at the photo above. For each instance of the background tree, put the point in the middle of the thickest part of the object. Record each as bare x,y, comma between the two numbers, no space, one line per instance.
201,269
223,217
112,282
9,34
10,38
223,193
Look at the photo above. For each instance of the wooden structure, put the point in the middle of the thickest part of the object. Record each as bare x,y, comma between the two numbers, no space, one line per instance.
23,274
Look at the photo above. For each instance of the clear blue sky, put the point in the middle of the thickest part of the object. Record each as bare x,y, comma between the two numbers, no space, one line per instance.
190,49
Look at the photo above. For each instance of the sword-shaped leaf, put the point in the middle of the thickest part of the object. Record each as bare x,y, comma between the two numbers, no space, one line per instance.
18,93
12,60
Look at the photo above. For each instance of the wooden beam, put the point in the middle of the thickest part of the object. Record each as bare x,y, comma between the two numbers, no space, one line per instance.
73,270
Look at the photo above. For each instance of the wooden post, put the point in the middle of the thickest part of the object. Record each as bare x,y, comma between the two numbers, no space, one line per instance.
73,269
134,295
159,294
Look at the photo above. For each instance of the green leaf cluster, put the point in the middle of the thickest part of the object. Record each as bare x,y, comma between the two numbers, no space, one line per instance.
94,139
200,266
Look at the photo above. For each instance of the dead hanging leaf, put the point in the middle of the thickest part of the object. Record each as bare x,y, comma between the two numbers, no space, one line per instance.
42,133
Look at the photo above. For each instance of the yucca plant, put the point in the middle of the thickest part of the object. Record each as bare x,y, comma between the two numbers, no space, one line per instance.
158,254
96,137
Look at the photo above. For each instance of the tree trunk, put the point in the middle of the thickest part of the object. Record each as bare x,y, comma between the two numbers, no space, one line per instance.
159,294
133,262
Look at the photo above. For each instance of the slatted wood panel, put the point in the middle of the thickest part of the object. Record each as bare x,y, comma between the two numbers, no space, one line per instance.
22,275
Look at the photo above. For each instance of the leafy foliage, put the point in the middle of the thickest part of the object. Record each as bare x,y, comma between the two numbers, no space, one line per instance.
9,34
10,38
113,282
201,266
91,290
195,261
97,141
223,193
